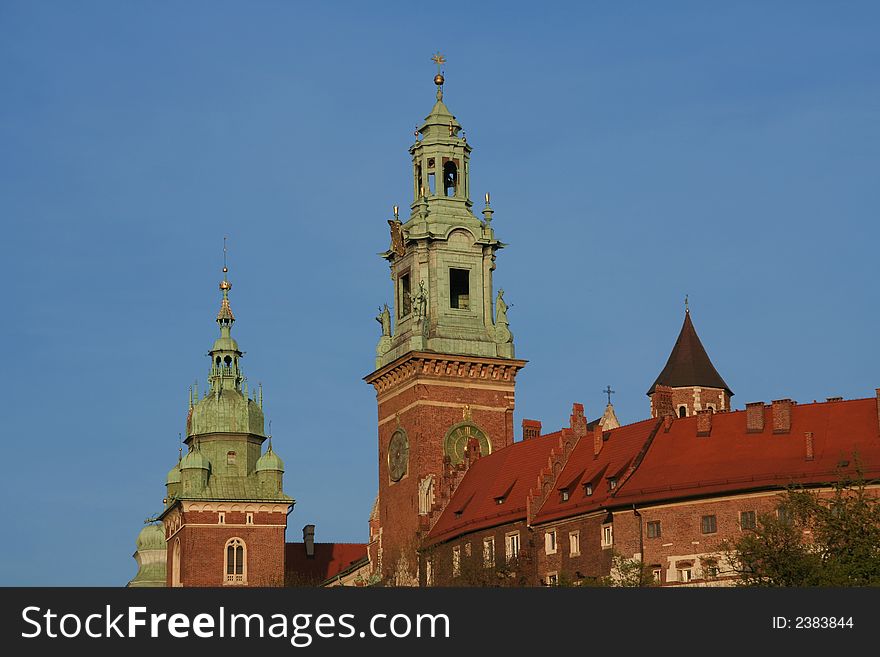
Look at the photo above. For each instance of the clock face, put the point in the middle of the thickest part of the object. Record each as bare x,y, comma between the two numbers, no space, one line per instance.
398,455
457,441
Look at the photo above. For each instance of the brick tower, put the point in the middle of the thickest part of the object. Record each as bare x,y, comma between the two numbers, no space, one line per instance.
689,378
445,366
225,511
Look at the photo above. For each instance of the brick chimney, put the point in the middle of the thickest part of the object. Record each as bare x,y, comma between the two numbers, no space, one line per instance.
597,440
755,417
309,540
808,445
704,422
781,412
661,402
531,429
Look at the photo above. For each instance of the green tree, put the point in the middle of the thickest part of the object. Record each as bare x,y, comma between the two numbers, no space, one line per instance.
813,540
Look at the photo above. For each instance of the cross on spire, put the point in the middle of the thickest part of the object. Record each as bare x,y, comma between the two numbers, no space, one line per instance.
608,391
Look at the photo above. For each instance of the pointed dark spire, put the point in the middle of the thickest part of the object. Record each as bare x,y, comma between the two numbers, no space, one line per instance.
689,364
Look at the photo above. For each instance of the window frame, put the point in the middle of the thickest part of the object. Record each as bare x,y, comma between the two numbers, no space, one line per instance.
709,519
238,566
489,552
657,528
550,542
575,543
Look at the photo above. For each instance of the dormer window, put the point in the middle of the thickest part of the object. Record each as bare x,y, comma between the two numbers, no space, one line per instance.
499,500
564,495
588,489
612,483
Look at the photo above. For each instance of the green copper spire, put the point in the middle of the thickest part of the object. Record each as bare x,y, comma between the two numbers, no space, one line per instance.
443,256
226,407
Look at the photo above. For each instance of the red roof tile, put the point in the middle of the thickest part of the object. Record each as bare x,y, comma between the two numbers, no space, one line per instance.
619,449
330,559
510,472
680,464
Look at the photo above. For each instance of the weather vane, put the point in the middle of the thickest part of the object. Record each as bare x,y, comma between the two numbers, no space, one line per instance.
224,255
686,309
439,60
439,79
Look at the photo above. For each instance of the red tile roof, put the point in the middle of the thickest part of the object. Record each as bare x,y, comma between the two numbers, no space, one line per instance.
680,464
620,448
330,560
509,473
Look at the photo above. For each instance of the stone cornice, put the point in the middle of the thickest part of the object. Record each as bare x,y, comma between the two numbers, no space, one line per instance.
444,366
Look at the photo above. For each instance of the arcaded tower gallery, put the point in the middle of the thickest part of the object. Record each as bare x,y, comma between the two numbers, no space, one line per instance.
445,366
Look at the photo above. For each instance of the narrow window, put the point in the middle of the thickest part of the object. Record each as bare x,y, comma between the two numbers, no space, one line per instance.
550,542
221,518
574,543
658,574
467,550
230,458
450,178
420,184
709,525
489,552
607,535
459,289
175,564
654,529
511,546
682,411
250,519
429,573
405,300
227,361
235,554
456,561
747,520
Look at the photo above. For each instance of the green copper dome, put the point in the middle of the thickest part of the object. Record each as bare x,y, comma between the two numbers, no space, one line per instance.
173,475
270,461
225,411
195,460
152,537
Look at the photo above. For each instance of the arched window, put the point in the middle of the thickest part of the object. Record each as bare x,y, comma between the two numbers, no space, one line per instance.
682,411
236,552
175,564
218,361
228,361
450,178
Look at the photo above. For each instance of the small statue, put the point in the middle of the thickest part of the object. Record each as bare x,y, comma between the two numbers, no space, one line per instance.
420,302
501,309
384,318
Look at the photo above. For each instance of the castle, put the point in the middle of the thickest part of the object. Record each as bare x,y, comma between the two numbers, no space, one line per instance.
460,501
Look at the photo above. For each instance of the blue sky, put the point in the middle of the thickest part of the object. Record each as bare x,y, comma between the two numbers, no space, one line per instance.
635,152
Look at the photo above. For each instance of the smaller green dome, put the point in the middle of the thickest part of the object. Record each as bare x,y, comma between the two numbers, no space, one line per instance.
225,343
152,537
195,460
173,475
270,461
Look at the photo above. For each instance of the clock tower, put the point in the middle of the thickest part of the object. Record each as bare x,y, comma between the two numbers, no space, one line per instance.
445,362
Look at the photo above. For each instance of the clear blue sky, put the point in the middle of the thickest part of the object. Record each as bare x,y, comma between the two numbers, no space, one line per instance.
636,152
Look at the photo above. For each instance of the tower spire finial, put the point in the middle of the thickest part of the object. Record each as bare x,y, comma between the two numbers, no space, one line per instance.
439,60
686,309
